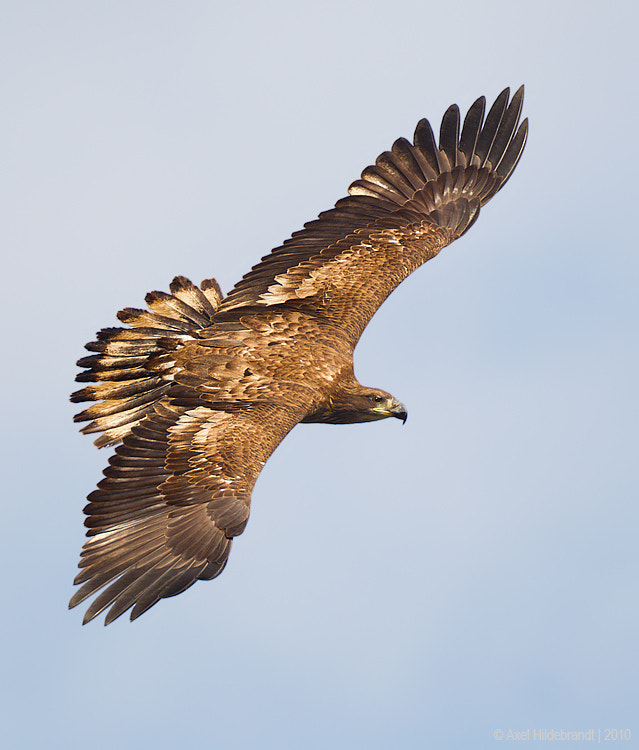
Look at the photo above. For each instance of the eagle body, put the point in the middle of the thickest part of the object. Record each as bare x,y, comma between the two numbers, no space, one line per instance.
197,391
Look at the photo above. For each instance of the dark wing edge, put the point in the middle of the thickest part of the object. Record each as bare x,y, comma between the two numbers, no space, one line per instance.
129,552
175,493
412,184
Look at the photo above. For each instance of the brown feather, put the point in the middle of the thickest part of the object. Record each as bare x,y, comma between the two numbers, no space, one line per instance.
198,391
420,176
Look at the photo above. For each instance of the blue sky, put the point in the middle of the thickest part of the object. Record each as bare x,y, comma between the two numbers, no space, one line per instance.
397,586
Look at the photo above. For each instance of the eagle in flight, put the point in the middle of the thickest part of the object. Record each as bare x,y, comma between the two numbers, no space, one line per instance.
199,390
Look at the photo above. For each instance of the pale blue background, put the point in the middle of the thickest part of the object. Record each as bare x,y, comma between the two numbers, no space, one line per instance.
397,587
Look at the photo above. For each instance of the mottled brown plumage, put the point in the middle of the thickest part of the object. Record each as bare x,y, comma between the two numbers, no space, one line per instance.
198,391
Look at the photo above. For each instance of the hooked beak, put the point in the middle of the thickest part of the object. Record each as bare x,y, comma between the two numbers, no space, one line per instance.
399,410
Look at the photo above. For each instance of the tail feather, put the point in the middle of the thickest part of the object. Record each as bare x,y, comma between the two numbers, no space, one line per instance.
133,367
205,299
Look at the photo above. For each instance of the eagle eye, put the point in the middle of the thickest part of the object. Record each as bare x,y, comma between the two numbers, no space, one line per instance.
377,399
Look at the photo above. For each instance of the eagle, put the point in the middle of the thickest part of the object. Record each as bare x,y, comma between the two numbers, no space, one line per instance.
199,389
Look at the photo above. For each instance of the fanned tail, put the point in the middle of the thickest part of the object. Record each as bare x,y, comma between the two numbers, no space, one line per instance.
134,366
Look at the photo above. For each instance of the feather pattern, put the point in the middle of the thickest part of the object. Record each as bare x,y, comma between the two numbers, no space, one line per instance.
415,200
154,531
134,367
198,390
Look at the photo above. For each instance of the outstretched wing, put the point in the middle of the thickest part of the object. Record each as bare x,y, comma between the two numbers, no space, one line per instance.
415,200
198,412
196,425
176,492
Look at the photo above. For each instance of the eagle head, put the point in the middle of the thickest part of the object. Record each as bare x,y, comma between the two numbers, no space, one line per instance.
362,405
374,404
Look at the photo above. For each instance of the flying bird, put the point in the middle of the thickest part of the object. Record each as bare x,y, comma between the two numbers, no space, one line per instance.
197,391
